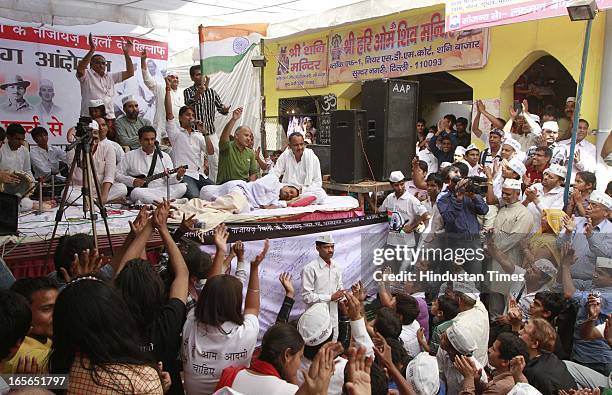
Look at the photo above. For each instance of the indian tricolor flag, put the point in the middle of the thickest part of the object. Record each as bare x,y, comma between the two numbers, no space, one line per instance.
223,47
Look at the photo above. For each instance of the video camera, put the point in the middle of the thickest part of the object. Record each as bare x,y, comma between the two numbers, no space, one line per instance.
83,130
84,133
475,184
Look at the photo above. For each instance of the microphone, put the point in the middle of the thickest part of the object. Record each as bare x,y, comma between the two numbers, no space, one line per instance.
157,149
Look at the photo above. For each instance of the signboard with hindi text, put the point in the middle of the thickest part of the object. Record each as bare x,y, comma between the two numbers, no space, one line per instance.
38,84
302,64
476,14
399,46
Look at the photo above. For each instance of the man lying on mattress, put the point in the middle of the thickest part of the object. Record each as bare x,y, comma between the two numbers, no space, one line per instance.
265,192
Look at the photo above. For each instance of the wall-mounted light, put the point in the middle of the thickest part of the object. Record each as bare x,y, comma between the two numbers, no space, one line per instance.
582,10
259,61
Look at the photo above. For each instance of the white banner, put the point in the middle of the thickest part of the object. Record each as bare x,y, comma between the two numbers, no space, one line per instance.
38,84
291,254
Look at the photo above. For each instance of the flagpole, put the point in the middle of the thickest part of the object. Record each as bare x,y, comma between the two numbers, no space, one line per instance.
575,121
201,39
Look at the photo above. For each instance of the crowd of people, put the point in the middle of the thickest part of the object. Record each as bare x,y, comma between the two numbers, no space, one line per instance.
527,313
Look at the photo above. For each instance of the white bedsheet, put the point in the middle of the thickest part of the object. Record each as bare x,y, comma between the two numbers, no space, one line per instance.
40,227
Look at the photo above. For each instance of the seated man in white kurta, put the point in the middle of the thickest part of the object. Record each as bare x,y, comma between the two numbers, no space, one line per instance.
300,166
138,162
105,163
265,192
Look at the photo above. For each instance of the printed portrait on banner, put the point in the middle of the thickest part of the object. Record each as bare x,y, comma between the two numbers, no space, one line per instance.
38,84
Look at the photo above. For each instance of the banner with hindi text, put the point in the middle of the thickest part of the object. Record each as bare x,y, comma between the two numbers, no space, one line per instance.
302,64
403,46
475,14
38,84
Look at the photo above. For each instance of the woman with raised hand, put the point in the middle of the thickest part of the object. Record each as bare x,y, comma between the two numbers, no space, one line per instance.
159,315
218,333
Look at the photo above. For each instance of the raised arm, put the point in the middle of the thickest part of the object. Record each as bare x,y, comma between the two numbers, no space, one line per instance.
129,66
220,239
251,302
227,130
149,81
480,107
142,229
168,101
567,260
285,311
83,63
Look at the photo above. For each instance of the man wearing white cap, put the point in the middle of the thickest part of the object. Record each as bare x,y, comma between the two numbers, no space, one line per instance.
459,153
522,128
511,148
406,212
471,156
128,125
585,152
457,341
322,279
512,169
590,238
546,194
96,82
566,123
46,107
550,135
512,224
423,374
159,91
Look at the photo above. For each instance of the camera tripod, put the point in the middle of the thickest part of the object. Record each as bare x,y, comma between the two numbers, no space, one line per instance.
83,157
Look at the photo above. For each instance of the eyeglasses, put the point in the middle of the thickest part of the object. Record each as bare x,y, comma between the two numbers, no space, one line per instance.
102,62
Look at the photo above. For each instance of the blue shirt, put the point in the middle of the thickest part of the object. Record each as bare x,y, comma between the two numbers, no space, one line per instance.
460,217
592,351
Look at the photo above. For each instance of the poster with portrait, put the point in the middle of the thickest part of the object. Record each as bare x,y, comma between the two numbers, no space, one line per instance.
38,84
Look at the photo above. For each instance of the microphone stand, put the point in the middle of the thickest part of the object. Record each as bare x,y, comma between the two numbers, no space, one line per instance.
167,175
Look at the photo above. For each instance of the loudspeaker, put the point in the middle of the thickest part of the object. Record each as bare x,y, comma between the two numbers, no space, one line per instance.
323,152
391,107
348,132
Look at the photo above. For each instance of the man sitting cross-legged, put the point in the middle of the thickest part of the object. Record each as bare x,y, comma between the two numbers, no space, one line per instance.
139,163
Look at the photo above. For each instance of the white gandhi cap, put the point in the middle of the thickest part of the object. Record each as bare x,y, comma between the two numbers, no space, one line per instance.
396,176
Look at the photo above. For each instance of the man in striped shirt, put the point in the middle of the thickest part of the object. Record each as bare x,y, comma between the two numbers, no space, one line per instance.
203,100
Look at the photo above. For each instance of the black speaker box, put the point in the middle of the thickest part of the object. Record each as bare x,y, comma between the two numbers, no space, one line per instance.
323,152
391,107
348,145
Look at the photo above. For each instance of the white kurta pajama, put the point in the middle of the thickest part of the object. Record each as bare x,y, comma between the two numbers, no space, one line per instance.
138,162
319,282
187,149
261,192
306,173
106,167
